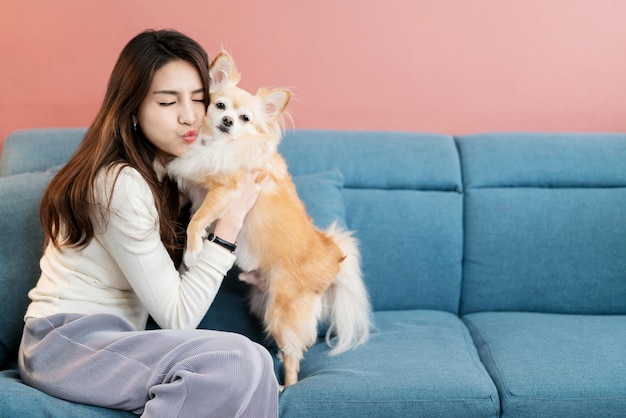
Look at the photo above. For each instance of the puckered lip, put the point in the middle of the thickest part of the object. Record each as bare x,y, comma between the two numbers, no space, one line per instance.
190,136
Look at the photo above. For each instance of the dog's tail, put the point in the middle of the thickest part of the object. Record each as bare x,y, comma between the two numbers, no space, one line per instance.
346,304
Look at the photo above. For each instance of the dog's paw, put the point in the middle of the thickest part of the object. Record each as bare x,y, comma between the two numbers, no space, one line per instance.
254,278
190,258
193,250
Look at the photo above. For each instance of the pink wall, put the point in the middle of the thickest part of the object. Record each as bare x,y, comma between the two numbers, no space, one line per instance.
453,66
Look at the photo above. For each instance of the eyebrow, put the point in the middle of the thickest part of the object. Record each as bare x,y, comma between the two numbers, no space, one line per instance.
174,92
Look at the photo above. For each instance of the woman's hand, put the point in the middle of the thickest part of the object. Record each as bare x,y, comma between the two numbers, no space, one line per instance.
229,225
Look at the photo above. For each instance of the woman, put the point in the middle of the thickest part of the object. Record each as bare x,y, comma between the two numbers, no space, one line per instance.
113,244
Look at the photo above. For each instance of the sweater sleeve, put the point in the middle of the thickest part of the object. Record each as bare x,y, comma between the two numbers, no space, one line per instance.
131,235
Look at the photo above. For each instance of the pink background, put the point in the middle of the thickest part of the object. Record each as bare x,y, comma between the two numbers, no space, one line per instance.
453,66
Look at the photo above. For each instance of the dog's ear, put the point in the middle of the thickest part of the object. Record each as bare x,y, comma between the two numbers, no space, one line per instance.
222,70
274,101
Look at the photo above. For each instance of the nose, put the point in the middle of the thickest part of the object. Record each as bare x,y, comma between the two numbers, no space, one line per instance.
227,121
187,115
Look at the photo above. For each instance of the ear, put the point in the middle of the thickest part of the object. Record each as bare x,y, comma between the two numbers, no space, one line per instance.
274,101
222,70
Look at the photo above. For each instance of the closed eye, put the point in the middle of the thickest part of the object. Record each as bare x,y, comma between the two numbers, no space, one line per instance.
165,104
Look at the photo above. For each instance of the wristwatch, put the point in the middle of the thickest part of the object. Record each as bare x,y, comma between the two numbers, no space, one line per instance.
222,243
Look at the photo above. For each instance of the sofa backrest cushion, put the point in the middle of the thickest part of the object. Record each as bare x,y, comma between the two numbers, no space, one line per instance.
31,150
403,197
545,223
20,249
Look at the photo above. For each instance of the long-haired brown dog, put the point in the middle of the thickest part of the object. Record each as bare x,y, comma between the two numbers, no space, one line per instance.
301,275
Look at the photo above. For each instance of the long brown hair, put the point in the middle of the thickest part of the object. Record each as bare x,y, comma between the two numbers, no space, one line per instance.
112,139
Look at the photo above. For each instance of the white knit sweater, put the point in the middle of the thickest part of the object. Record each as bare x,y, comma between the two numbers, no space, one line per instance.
125,270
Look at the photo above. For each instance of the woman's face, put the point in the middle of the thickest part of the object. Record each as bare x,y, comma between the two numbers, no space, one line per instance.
172,111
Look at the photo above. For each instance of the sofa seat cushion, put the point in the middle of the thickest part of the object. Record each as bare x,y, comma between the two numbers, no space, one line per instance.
20,400
554,365
416,363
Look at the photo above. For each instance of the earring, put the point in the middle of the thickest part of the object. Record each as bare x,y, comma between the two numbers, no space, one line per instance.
134,123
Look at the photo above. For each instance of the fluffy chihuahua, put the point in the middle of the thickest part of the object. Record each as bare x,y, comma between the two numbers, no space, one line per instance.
301,276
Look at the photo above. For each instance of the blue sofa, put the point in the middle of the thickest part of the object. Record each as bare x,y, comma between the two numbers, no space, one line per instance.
496,265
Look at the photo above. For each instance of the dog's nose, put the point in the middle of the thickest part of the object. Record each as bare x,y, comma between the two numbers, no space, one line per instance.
227,121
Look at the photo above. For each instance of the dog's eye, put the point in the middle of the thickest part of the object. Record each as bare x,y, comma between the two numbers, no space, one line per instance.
244,118
220,105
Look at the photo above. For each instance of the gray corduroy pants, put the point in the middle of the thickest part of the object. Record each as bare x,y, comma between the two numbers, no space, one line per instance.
100,360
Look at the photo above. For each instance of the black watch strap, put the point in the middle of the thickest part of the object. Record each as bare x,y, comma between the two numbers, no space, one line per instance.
222,243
